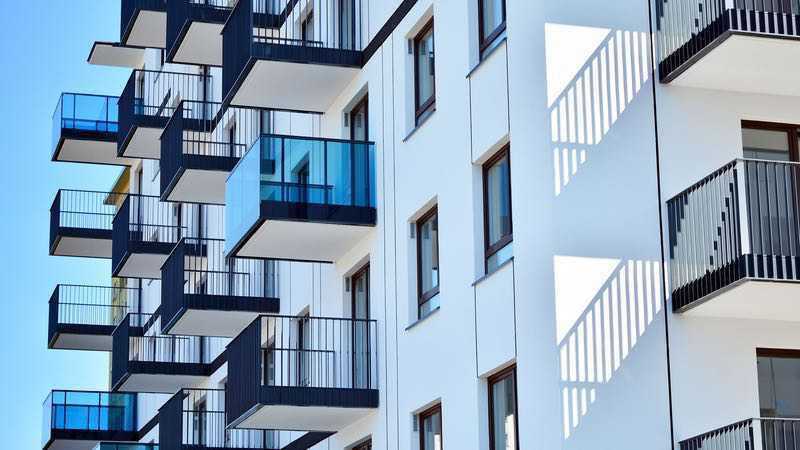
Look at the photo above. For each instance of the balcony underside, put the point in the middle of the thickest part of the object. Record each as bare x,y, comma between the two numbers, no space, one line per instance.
770,65
166,378
82,242
752,299
200,180
147,29
85,440
144,138
81,337
115,54
91,147
218,315
300,232
264,83
313,409
199,43
143,260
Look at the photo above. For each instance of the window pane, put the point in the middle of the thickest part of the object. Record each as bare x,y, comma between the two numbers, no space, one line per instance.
499,257
492,15
778,383
504,412
429,254
432,432
765,144
498,201
425,58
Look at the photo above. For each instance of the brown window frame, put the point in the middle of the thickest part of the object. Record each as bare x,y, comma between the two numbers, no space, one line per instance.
792,130
492,380
437,408
364,102
364,271
485,41
366,445
424,297
491,248
430,103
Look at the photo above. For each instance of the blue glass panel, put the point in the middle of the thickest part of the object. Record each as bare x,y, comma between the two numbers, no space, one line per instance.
242,197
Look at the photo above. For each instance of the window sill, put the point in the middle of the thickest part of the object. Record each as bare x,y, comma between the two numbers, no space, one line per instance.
424,120
487,54
497,269
424,318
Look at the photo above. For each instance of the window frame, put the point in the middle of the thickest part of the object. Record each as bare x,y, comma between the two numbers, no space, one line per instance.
792,131
421,109
426,296
485,43
364,102
306,24
421,416
490,249
366,445
491,381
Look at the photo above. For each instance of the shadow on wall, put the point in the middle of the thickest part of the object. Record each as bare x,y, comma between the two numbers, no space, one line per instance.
605,333
584,109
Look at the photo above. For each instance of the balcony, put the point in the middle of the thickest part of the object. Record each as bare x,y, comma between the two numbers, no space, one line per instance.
114,54
734,45
297,198
203,293
83,317
145,230
143,23
270,48
80,223
751,434
144,361
194,31
85,130
124,446
79,420
302,373
200,146
146,105
735,243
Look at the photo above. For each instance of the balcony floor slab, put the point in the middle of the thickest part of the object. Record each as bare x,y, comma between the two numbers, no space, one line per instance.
752,299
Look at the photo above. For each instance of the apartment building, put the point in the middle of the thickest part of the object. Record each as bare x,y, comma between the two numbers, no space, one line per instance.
323,236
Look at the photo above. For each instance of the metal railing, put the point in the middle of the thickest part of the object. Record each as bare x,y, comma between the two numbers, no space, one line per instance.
91,305
124,446
84,113
129,9
84,210
742,221
750,434
88,411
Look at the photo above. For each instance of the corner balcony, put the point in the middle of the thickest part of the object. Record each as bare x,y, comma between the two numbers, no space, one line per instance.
735,45
303,199
143,23
750,434
270,48
85,130
203,293
735,243
194,31
83,317
144,361
148,102
145,230
302,373
200,146
194,419
79,420
80,223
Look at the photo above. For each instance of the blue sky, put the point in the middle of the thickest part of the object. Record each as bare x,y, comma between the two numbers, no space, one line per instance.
45,44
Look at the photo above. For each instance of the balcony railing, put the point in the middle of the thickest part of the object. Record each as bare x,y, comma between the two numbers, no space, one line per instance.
129,10
82,214
688,27
325,180
751,434
333,33
742,221
149,99
76,308
84,116
84,411
314,353
180,14
196,418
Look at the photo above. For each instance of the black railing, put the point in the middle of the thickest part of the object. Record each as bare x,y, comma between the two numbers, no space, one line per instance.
90,305
331,32
180,13
687,27
129,10
150,96
751,434
306,352
742,221
196,418
89,411
89,211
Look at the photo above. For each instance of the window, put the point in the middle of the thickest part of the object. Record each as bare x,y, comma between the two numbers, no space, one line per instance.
497,210
491,22
199,423
428,262
779,382
430,429
364,445
347,29
304,355
503,423
359,121
770,141
307,28
359,287
424,86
